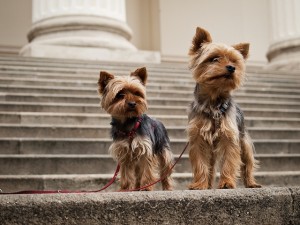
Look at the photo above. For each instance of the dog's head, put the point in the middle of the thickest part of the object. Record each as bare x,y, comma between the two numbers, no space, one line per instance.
123,97
217,67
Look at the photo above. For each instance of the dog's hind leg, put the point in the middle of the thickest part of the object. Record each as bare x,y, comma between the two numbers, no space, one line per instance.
165,164
249,163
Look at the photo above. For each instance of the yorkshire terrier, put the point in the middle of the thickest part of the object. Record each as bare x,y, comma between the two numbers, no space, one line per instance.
141,144
216,129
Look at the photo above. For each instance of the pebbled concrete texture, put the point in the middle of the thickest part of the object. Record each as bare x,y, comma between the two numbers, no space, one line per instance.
239,206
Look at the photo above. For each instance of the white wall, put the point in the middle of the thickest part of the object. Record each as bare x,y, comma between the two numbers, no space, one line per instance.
15,22
229,21
143,18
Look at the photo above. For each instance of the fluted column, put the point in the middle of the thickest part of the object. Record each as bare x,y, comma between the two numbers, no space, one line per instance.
43,9
284,51
81,29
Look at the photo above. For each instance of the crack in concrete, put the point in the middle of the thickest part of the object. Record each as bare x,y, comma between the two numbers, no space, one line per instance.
293,205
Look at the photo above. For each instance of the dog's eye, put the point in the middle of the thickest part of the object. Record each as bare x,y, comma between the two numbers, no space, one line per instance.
214,59
120,95
139,94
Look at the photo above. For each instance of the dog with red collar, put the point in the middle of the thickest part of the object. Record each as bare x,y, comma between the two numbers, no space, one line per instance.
141,145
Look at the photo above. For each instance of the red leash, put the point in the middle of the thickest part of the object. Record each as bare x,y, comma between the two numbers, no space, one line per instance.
106,186
65,191
130,135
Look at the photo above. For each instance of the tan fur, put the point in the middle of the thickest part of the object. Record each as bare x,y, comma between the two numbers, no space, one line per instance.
165,166
249,163
131,86
139,166
214,138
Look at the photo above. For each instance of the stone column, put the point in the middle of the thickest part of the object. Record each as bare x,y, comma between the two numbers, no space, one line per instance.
83,29
284,51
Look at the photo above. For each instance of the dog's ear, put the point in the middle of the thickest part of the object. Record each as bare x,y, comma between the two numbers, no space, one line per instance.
243,48
104,78
201,36
141,74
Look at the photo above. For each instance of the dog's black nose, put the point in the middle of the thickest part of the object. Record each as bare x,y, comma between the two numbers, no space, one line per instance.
131,104
230,69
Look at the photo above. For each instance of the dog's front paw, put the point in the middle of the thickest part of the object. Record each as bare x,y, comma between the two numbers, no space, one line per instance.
197,186
226,185
254,185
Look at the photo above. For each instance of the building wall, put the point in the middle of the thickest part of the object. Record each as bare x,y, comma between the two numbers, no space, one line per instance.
167,25
143,18
230,21
15,22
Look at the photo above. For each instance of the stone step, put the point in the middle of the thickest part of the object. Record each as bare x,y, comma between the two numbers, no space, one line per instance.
285,95
71,81
120,66
98,164
91,119
264,78
155,80
88,66
97,131
74,81
286,100
238,206
92,182
153,74
153,109
73,146
171,95
119,69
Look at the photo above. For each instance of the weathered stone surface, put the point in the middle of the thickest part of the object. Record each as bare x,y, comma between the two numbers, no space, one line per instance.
239,206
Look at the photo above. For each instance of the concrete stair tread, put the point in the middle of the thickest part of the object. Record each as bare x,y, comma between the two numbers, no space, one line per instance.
153,109
93,118
83,104
89,64
95,96
279,206
46,145
103,163
73,63
256,102
154,93
105,175
94,182
165,78
185,155
170,127
109,139
114,67
70,81
108,117
94,131
162,88
89,78
90,90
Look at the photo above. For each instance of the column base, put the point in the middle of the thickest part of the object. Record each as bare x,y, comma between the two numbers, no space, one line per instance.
284,55
84,37
90,53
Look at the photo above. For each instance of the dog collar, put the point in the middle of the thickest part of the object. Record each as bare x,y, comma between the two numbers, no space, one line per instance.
221,110
118,133
137,124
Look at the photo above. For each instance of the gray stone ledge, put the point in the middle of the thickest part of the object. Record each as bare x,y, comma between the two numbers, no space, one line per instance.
239,206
